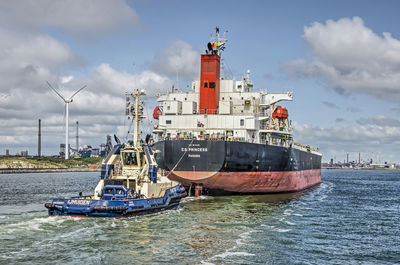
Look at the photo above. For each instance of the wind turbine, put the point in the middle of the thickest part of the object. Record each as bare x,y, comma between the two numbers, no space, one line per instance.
67,101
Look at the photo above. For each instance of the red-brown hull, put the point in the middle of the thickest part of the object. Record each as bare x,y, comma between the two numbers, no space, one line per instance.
250,182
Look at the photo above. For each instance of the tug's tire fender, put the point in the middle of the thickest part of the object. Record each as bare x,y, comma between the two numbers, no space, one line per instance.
101,208
50,206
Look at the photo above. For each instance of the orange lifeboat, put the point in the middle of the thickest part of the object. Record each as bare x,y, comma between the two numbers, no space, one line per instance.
156,112
280,113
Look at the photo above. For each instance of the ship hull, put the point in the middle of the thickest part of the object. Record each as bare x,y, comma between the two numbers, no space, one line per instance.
222,167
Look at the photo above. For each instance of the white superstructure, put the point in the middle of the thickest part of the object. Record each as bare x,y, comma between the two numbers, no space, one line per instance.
243,115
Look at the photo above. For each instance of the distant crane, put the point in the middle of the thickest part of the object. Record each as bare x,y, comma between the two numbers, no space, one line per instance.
67,101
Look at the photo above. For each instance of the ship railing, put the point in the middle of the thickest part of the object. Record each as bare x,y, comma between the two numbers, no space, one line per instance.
228,139
196,138
215,138
307,147
243,139
275,127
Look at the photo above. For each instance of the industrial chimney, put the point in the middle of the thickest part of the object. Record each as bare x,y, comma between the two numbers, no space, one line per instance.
39,138
77,137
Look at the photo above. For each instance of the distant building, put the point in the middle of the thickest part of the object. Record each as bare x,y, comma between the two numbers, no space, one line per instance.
7,152
95,152
62,149
86,151
106,148
24,153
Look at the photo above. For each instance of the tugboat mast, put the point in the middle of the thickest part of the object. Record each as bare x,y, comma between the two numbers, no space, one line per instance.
137,113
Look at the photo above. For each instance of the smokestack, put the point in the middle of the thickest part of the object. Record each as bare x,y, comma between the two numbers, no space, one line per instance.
359,158
347,158
77,137
209,83
39,139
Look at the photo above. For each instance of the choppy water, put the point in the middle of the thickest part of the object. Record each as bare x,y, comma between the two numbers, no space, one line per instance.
353,217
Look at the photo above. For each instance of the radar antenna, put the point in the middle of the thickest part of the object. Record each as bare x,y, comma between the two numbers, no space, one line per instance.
217,44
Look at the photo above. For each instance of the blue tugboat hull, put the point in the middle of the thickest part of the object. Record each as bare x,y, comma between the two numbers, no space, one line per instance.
85,207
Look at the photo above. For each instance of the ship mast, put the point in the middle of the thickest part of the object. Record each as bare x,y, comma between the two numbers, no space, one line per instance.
217,43
137,112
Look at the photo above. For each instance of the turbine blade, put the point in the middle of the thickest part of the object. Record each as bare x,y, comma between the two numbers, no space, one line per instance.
77,91
56,91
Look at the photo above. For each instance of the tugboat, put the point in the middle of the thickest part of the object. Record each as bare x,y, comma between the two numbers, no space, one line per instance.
129,184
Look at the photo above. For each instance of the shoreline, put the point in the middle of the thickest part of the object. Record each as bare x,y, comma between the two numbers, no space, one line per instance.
343,168
45,170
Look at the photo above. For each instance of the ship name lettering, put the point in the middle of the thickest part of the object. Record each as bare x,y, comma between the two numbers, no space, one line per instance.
192,155
194,149
79,202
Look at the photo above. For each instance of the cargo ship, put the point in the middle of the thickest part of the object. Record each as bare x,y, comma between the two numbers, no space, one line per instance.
224,138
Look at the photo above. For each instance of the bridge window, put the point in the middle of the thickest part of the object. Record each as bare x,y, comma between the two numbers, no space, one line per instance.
130,159
241,122
212,84
168,122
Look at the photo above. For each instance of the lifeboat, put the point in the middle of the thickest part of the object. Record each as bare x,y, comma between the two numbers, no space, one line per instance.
157,112
280,113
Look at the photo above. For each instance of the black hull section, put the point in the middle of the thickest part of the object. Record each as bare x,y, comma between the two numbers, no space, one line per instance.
221,156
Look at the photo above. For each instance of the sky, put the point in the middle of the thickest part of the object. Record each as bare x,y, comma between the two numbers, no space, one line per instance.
341,59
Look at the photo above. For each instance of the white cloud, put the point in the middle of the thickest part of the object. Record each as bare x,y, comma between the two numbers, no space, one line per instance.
366,136
30,56
66,79
178,59
89,17
29,60
108,80
25,97
349,57
100,108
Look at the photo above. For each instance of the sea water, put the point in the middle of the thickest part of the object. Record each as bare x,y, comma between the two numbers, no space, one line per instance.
352,217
